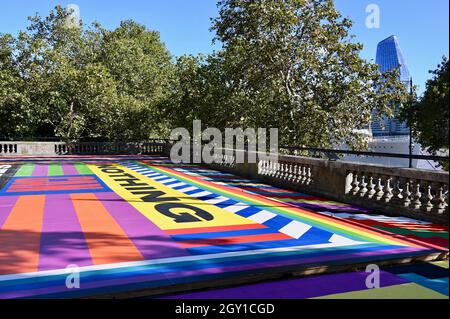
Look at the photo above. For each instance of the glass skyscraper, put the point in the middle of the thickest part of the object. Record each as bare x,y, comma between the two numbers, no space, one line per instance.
389,57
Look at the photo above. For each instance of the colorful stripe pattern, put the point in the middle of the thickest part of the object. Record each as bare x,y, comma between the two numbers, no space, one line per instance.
418,281
139,224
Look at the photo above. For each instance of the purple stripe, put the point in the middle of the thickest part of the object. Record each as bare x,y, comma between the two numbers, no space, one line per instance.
309,287
315,206
62,241
40,170
196,273
69,169
151,241
6,205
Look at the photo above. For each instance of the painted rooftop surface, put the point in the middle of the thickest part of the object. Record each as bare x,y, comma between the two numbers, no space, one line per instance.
127,223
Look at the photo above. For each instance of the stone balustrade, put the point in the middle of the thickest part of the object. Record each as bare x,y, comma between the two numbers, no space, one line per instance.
82,148
8,148
421,194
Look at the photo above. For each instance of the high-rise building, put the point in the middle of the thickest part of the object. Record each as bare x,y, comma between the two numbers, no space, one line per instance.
389,57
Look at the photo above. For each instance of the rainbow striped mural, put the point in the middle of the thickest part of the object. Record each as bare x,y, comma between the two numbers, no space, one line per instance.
143,223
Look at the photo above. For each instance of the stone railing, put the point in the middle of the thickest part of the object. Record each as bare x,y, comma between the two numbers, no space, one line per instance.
8,148
92,148
82,148
421,194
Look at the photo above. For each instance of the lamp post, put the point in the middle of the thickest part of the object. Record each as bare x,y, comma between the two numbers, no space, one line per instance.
410,127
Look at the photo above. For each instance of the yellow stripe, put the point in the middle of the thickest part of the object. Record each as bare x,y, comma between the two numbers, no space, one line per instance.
221,217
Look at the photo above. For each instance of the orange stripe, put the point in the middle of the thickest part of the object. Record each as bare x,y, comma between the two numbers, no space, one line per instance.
107,241
20,236
212,229
233,240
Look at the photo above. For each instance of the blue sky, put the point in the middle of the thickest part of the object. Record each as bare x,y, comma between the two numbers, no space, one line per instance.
421,26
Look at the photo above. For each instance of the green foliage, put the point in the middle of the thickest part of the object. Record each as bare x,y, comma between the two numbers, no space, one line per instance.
74,82
292,65
287,64
428,116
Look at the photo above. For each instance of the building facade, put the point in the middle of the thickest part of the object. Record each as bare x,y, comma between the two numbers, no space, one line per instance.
389,57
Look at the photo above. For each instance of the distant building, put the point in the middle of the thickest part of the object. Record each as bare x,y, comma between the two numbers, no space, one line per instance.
389,57
391,135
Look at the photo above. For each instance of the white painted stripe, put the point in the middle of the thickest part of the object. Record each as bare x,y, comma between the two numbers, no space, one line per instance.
169,180
174,260
187,189
262,216
216,200
178,184
236,207
200,194
160,178
152,174
341,240
295,229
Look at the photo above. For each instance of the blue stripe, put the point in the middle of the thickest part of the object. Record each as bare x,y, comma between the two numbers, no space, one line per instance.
207,197
249,211
232,233
194,191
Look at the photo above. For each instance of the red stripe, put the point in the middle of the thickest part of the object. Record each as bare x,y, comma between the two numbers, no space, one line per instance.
233,240
53,185
47,180
212,229
56,188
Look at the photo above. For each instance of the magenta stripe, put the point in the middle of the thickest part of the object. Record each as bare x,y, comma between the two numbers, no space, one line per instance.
6,205
69,169
40,170
151,241
208,271
62,241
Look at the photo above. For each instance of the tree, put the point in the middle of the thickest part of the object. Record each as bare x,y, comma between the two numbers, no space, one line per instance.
73,82
428,116
12,100
296,67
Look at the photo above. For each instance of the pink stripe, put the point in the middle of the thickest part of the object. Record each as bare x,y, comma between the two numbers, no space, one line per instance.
62,240
40,170
6,205
69,169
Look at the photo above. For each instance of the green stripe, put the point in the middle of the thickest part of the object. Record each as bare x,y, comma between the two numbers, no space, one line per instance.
25,170
55,170
82,168
422,233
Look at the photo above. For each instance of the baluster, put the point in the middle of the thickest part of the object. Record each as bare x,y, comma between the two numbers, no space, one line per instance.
406,193
298,178
355,183
303,173
397,191
387,190
379,188
309,177
439,200
427,199
371,188
290,177
362,186
416,195
281,170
